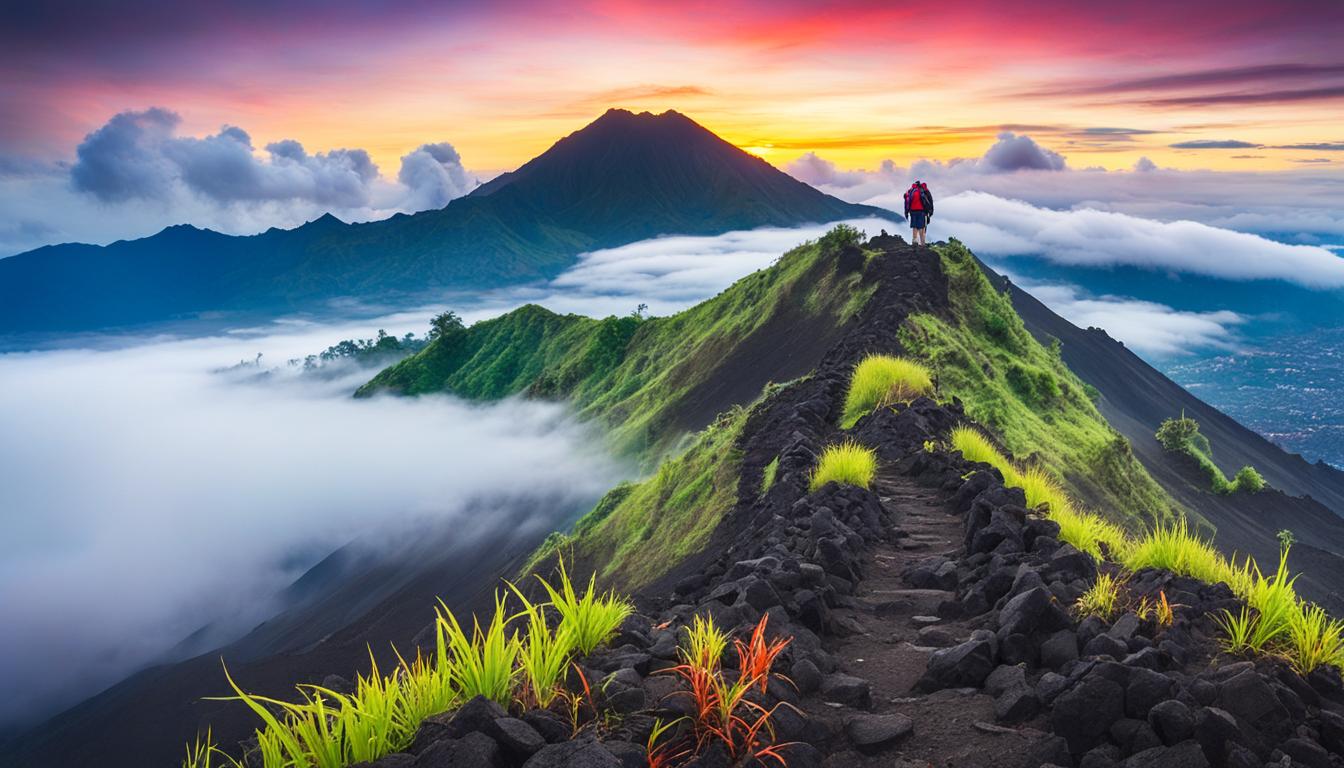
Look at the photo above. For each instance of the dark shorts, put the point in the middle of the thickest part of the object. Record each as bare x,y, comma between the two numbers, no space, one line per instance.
918,220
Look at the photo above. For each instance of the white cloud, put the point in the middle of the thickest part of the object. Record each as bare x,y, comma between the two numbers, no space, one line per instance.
994,226
1147,327
136,175
167,496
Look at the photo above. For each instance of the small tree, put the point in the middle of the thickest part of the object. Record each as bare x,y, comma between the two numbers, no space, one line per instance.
841,236
1286,539
444,324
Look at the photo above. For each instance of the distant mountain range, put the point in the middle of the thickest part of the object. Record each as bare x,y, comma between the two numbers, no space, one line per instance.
624,177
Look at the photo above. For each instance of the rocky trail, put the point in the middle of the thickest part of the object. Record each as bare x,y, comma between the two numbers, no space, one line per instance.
929,618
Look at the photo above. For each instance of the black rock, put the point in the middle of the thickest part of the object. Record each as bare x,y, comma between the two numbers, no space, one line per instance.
631,755
1172,721
846,689
1067,564
1332,731
1085,713
1018,649
1145,690
871,734
516,736
1050,686
1308,753
474,750
1134,736
1017,704
1059,649
552,727
1214,729
1104,756
967,664
1249,697
1105,645
1052,750
1005,677
1031,612
805,676
1184,755
573,754
478,714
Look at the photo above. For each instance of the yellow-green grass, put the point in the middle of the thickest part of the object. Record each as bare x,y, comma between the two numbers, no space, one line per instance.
847,463
1275,620
1086,531
1102,599
326,729
882,380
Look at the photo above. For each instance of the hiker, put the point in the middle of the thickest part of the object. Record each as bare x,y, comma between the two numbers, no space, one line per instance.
919,209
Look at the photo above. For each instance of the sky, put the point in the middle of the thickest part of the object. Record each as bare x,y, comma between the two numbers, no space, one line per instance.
120,116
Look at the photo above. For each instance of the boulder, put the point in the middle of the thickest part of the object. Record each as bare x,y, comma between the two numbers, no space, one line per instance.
1172,721
1084,714
1215,729
871,734
474,750
1034,611
1105,645
1059,649
805,676
1017,704
573,754
516,736
1184,755
1306,752
1003,678
847,690
967,664
1145,690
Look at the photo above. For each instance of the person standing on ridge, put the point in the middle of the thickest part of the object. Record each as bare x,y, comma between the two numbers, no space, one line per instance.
919,209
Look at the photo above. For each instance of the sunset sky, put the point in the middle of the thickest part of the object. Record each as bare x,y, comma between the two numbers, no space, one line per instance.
857,82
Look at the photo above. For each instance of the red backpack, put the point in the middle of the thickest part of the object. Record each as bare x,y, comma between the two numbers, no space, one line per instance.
916,198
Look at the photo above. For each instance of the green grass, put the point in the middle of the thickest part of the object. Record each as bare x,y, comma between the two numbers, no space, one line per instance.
768,476
981,353
588,620
1182,435
634,376
639,531
326,729
1274,621
1085,530
846,463
882,380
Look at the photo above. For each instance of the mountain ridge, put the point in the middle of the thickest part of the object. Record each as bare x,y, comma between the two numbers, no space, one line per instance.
622,178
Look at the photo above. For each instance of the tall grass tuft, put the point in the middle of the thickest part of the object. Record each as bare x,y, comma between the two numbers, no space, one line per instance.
883,380
481,664
1316,640
1102,599
544,654
589,620
847,463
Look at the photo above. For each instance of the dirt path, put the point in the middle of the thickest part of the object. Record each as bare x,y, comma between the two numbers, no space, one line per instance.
951,727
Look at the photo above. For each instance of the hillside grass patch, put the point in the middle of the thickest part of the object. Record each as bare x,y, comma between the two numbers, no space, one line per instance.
880,381
980,352
1181,435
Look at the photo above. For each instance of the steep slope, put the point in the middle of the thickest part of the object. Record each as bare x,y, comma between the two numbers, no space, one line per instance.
651,381
624,177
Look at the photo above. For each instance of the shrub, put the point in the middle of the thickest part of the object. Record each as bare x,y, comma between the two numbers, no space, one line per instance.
840,236
1033,385
1248,480
882,380
847,463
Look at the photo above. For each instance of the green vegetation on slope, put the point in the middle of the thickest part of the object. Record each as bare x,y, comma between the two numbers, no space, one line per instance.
639,531
1183,436
1023,391
846,463
630,374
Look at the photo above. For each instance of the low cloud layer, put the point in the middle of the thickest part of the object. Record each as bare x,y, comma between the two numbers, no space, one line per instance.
1150,329
167,496
137,173
1088,237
